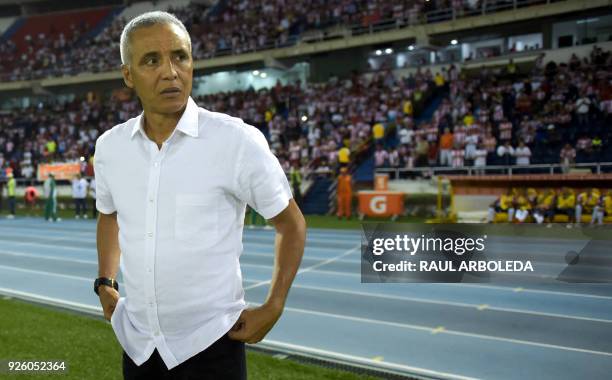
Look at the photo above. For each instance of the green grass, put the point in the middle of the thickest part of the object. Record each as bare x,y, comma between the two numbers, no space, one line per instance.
91,351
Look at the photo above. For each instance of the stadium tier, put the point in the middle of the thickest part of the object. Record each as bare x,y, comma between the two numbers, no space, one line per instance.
68,43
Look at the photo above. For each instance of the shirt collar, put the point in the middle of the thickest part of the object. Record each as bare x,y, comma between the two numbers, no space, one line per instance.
188,123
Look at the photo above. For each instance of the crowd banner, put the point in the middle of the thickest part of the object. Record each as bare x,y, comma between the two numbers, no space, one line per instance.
62,171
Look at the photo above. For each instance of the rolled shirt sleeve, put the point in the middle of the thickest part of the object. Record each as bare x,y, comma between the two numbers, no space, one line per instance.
260,179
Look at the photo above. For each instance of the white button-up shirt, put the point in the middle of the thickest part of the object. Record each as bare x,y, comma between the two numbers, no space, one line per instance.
79,188
180,211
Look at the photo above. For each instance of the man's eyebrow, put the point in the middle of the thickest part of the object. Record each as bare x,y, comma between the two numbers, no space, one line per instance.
151,54
179,51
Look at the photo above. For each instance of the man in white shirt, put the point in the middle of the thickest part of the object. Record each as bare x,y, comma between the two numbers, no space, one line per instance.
79,193
172,187
522,154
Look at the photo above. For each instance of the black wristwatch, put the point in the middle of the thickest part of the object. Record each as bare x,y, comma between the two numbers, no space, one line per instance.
107,282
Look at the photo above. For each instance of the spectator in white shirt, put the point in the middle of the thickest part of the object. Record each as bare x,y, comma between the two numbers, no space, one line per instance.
480,158
79,193
505,152
522,154
583,105
172,187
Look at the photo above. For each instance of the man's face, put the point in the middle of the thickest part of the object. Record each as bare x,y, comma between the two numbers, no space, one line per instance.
161,68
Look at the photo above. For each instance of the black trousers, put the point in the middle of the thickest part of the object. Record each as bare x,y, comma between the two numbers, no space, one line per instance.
80,206
225,359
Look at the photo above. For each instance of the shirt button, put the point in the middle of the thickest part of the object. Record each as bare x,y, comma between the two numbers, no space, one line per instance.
149,270
150,234
150,304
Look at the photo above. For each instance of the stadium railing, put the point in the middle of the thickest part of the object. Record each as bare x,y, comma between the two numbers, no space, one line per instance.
592,168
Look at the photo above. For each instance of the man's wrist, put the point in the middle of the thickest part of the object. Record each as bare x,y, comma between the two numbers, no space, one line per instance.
105,282
276,304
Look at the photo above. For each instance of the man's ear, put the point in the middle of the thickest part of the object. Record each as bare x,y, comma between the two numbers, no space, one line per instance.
127,76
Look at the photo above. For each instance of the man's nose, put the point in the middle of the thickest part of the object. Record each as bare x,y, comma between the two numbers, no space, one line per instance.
169,70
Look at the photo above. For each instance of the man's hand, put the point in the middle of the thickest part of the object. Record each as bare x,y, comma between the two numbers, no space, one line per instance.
108,298
253,324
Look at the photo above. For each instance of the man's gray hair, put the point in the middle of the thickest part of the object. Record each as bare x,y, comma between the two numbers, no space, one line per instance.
142,21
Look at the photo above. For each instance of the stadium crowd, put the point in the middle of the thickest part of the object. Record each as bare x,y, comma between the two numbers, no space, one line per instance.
557,113
228,27
310,126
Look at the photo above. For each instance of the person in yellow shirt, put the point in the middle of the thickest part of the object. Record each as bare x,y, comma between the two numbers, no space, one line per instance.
566,204
586,201
439,80
523,206
505,203
468,119
408,108
604,207
378,132
344,156
544,209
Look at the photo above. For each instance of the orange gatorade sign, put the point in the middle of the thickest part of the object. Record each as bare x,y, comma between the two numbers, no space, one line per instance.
381,182
381,203
61,170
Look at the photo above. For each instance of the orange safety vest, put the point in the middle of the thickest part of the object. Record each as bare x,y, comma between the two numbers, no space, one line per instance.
344,184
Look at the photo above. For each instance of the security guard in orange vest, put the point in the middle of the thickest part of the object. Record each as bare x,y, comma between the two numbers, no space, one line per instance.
344,193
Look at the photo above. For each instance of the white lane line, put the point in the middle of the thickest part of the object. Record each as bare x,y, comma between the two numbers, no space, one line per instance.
47,257
52,301
248,253
529,290
307,269
91,262
362,360
404,325
350,274
40,272
357,293
67,235
480,307
436,330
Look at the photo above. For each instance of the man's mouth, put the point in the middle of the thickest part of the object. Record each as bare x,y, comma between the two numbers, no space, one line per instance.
171,90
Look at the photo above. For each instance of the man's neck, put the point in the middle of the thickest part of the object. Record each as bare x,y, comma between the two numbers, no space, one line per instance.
159,127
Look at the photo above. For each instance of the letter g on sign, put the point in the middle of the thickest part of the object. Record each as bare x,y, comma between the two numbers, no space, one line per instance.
378,204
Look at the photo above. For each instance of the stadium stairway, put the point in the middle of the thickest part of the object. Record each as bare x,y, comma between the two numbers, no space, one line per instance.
100,26
365,170
316,200
58,22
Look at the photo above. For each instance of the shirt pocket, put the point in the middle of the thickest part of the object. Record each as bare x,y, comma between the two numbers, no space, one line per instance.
197,220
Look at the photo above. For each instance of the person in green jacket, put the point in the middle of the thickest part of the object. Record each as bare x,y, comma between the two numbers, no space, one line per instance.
295,179
11,184
51,199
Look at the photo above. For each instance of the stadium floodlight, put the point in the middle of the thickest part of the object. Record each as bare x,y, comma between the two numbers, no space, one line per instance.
263,75
256,72
388,50
454,42
378,52
411,47
304,118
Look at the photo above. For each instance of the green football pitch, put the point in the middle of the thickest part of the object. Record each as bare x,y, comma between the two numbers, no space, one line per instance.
91,351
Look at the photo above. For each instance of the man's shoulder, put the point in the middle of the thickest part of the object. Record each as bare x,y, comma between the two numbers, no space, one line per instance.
116,133
229,126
